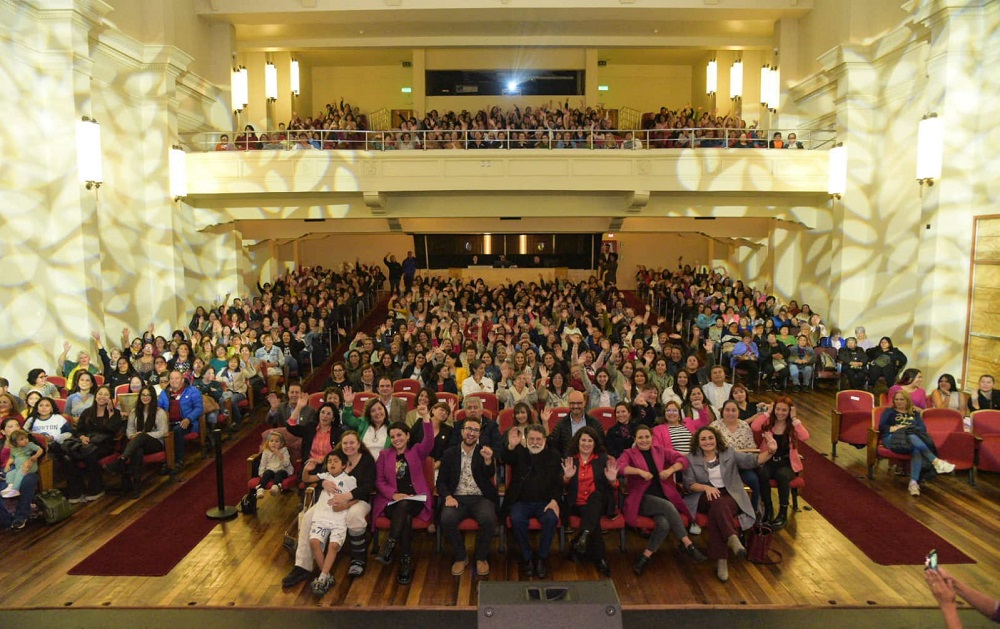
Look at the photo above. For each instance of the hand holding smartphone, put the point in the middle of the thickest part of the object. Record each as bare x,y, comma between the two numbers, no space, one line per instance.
931,563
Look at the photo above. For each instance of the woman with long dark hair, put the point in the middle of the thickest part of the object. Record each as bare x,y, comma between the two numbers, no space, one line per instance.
93,439
146,430
779,423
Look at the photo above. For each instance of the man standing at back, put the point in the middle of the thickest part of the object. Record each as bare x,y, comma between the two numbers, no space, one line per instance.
409,270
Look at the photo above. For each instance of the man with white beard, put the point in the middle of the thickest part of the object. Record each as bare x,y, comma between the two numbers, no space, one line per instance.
533,492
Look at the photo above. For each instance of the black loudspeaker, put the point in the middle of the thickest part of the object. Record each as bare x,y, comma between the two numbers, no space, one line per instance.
549,604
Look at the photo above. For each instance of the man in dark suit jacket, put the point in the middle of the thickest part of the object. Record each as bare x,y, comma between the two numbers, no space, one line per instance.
563,432
534,492
465,484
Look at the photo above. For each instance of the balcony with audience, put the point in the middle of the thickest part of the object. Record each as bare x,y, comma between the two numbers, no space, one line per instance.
551,147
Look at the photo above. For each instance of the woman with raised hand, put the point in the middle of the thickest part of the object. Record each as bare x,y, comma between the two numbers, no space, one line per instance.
780,425
403,492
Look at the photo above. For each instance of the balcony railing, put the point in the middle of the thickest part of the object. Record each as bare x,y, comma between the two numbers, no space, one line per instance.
515,140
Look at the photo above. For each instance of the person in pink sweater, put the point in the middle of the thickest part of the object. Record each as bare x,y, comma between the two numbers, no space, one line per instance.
778,424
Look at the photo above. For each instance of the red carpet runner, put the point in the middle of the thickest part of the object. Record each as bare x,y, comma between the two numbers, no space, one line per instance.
152,545
882,531
170,530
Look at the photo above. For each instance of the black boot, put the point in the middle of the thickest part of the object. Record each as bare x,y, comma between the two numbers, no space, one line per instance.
385,555
602,567
580,545
527,568
782,519
542,568
640,564
405,570
768,514
359,556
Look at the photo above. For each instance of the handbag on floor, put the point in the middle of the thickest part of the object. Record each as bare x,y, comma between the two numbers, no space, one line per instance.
54,506
248,506
759,545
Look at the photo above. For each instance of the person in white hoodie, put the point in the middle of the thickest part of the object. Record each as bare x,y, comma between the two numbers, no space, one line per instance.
45,420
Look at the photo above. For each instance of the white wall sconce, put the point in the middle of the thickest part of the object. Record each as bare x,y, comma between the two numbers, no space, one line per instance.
240,89
770,87
88,153
736,80
271,81
712,77
293,73
837,178
177,160
930,145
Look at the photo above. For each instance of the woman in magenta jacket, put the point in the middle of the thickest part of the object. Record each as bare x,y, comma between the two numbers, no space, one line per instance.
400,474
779,424
649,471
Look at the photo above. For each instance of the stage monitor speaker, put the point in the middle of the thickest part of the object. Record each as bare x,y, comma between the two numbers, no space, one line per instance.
549,604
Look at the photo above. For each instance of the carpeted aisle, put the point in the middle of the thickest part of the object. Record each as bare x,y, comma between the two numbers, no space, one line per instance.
877,527
156,542
170,530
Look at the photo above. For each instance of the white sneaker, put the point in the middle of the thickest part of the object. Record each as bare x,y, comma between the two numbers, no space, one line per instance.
943,467
260,493
694,529
914,488
10,492
275,489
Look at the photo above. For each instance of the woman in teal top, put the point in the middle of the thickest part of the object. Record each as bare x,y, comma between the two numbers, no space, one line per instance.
372,426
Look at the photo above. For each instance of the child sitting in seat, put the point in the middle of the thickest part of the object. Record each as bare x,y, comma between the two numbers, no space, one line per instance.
24,455
275,463
329,526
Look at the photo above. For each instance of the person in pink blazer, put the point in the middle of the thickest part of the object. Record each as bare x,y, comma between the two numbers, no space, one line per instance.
649,471
399,478
779,424
681,427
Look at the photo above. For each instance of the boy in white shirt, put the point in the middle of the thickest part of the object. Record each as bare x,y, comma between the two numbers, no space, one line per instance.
329,526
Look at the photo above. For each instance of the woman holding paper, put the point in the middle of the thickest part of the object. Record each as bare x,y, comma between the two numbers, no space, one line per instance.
403,490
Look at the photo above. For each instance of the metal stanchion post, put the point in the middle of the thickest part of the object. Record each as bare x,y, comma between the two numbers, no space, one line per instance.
221,511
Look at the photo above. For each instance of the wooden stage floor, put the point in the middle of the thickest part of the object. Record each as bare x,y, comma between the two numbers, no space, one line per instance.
240,563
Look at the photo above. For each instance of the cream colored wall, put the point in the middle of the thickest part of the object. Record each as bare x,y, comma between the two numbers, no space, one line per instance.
645,87
506,58
175,23
892,258
333,250
81,260
367,87
656,251
834,22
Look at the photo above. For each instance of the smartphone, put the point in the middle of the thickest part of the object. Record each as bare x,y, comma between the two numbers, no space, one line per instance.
931,563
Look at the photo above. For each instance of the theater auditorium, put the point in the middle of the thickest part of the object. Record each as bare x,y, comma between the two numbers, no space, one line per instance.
382,312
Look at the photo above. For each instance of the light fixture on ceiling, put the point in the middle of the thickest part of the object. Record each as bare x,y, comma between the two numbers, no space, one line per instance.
930,145
712,77
177,160
88,153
